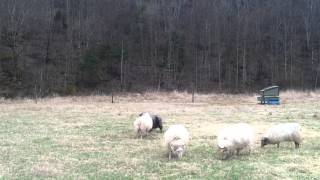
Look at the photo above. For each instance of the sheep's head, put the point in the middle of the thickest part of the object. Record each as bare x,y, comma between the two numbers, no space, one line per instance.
224,148
224,153
264,141
177,148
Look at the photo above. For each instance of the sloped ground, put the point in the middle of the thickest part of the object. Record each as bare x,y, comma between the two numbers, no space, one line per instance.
88,137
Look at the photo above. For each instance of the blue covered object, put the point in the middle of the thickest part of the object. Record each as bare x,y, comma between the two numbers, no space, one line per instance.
273,102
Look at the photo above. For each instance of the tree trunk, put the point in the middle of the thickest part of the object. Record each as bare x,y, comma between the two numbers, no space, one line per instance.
244,66
121,68
291,62
316,79
237,70
219,71
285,52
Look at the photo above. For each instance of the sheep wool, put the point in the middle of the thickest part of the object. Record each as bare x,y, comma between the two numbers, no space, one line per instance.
283,132
235,138
176,139
143,124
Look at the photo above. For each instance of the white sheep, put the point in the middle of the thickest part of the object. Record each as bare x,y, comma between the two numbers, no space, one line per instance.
176,139
235,138
282,132
143,124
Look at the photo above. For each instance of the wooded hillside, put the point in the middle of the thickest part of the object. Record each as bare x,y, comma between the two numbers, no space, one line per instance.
81,46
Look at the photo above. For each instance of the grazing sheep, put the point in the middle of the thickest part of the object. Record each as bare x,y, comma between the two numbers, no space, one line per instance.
282,132
235,138
143,124
156,121
176,139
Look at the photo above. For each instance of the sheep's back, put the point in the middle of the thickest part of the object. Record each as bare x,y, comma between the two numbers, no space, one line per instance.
237,136
284,132
176,132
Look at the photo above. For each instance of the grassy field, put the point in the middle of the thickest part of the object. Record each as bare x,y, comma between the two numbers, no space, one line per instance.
88,137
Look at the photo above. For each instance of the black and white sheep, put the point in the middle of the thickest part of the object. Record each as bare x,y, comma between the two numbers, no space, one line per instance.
145,123
176,139
283,132
235,138
156,121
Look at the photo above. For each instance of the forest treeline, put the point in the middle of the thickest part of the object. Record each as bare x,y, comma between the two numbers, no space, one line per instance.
83,46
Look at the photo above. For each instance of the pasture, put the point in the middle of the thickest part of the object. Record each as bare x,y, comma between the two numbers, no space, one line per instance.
90,138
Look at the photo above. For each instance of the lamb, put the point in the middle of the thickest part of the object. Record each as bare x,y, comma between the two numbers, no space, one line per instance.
143,124
282,132
235,138
156,121
176,139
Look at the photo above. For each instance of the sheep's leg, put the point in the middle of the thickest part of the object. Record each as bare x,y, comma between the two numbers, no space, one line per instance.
238,150
296,144
169,155
278,145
